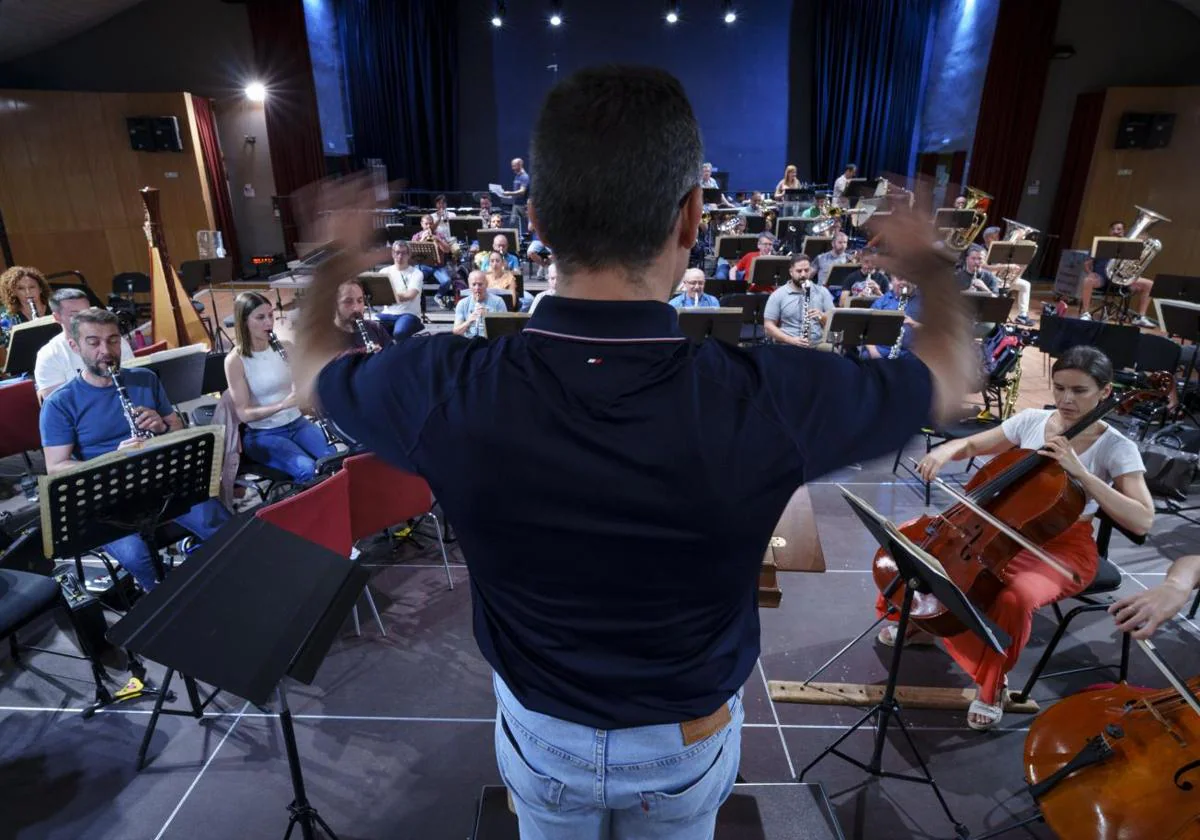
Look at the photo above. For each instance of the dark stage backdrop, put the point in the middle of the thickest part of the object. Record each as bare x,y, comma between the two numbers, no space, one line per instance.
736,77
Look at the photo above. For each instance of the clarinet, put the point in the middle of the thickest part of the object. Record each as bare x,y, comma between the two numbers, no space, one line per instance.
127,407
805,318
368,344
32,309
895,351
330,438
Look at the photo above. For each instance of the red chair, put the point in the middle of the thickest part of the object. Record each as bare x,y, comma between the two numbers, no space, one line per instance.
382,496
150,348
19,432
321,515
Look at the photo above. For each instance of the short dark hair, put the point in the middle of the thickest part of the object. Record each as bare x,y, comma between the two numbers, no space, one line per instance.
62,296
1117,222
1087,359
618,150
853,166
799,256
92,315
440,198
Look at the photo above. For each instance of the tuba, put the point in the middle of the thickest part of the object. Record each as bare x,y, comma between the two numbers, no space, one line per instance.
1013,232
959,239
1124,272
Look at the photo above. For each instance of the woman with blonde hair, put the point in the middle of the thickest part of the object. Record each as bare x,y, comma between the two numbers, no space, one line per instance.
790,181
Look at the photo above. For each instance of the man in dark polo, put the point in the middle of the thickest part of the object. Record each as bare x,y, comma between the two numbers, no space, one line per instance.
620,624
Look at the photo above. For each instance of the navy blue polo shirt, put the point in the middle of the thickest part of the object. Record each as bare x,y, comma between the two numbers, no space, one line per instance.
614,554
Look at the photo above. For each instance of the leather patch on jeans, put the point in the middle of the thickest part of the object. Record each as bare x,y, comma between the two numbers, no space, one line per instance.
705,727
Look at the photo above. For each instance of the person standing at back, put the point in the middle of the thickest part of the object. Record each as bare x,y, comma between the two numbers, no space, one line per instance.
620,624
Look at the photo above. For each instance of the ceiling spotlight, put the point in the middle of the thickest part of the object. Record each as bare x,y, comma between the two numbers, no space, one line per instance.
497,21
498,14
556,19
673,11
730,14
556,16
256,92
672,17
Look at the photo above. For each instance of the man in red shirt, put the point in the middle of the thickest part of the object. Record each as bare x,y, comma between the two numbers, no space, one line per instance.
741,271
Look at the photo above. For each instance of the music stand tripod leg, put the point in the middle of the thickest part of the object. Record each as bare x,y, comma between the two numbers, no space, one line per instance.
302,813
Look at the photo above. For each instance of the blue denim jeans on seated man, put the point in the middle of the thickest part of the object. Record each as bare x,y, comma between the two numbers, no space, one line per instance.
202,520
402,326
572,782
294,448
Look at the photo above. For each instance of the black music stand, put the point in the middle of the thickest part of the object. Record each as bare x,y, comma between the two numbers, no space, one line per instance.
377,289
789,231
988,309
1011,253
24,342
1180,318
947,218
1177,287
814,246
734,247
465,228
921,573
254,604
132,492
499,324
402,231
838,275
712,195
487,238
722,323
862,327
756,223
770,271
1118,249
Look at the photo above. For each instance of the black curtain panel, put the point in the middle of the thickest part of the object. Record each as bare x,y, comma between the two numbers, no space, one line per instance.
868,62
401,85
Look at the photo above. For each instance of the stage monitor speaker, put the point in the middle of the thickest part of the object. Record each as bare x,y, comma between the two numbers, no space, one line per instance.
1161,126
141,133
1133,131
166,135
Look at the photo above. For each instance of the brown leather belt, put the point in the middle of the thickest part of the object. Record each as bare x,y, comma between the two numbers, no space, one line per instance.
705,727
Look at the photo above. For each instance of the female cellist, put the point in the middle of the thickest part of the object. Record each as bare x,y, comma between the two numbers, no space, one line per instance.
1107,465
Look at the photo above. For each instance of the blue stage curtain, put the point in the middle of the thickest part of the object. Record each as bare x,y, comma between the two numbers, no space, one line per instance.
869,61
400,61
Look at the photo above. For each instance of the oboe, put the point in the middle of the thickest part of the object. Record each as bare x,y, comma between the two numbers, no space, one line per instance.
127,407
369,345
322,424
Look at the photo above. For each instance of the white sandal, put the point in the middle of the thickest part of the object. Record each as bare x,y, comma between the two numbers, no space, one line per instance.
992,713
915,636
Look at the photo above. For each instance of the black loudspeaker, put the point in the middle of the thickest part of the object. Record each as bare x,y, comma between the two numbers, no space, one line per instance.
1133,131
166,135
141,133
1161,126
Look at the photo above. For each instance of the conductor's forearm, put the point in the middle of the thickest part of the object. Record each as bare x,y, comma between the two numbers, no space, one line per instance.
318,340
943,342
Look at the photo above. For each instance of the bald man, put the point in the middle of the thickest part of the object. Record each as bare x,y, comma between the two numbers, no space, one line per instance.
519,194
693,294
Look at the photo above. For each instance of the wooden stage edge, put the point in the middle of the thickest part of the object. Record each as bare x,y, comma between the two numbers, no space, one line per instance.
909,696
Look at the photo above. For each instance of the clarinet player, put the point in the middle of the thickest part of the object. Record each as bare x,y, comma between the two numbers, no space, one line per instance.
85,419
797,312
470,311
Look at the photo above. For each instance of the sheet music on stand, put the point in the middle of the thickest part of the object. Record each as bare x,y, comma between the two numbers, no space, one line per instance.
24,342
424,253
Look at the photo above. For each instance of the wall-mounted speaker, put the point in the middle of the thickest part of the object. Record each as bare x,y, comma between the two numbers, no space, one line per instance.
1145,131
154,134
141,134
1161,126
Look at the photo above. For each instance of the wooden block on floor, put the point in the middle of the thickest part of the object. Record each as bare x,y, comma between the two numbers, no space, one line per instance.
860,694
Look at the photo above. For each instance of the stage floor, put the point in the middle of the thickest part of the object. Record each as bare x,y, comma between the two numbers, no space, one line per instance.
396,734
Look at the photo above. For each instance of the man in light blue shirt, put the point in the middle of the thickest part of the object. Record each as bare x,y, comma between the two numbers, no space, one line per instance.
693,294
470,312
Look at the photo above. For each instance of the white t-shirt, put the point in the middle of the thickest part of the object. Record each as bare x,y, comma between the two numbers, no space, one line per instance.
538,299
57,363
1111,456
839,189
403,280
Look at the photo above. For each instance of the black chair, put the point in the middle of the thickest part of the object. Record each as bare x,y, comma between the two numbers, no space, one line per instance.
936,436
182,376
1095,598
25,597
752,306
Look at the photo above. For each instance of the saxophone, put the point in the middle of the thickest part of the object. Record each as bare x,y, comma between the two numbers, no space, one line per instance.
368,344
895,351
322,423
127,407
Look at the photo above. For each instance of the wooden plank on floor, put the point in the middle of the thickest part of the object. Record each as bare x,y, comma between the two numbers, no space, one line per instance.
860,694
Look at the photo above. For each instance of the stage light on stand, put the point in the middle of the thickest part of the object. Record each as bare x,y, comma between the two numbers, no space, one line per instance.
256,92
730,14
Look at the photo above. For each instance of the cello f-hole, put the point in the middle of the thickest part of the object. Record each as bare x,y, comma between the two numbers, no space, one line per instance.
1182,783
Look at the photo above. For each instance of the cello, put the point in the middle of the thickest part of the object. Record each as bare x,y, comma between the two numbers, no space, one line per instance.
1017,501
1121,763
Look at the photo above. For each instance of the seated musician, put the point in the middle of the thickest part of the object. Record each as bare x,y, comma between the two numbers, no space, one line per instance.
276,433
438,271
84,419
784,315
693,294
499,248
1097,278
442,216
819,210
551,287
865,281
485,209
836,255
502,282
403,318
56,362
1107,465
973,277
708,182
478,302
1141,614
24,295
753,207
1022,286
741,271
960,203
538,252
352,307
899,290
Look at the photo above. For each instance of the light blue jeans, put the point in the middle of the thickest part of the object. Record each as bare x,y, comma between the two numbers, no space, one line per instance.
572,782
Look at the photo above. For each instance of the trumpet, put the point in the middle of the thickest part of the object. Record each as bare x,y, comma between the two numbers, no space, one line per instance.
322,423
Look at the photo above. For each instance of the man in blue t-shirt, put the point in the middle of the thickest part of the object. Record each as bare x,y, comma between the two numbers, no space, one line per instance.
84,419
693,294
900,290
519,194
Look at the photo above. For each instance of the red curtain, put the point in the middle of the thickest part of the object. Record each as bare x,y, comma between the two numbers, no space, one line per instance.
293,124
218,180
1077,161
1012,100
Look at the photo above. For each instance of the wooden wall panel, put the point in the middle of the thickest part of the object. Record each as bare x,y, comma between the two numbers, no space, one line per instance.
69,182
1164,180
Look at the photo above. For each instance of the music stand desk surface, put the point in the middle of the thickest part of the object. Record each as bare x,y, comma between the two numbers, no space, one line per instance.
500,324
814,246
838,274
734,247
487,237
179,369
465,228
1179,317
1116,248
723,323
989,309
377,289
861,327
24,342
1010,253
1177,287
770,271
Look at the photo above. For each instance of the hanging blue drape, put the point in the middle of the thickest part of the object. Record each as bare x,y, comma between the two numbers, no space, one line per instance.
400,62
868,62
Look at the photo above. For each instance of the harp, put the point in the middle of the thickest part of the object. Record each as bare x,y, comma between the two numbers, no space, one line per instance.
172,317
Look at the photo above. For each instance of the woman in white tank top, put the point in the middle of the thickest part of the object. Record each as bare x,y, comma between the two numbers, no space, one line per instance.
1109,468
276,433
